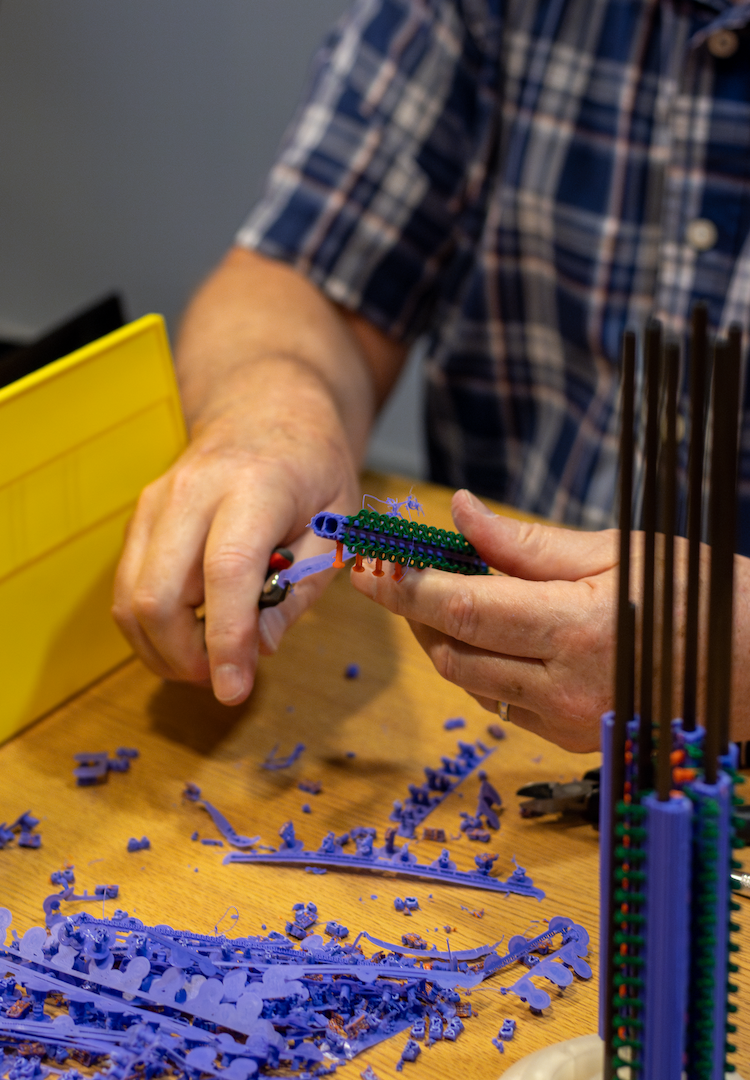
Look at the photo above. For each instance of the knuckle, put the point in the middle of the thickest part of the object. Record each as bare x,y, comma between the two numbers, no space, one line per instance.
123,616
447,662
226,563
462,617
146,606
533,535
182,481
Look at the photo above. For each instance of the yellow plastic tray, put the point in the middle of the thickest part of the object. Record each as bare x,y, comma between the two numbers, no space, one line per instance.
78,440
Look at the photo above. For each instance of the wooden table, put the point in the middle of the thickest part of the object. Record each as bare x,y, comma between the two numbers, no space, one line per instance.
367,739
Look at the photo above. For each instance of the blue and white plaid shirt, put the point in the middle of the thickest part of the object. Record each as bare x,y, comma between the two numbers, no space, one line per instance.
521,180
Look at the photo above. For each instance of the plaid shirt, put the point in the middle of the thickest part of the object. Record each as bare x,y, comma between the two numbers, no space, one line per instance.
519,181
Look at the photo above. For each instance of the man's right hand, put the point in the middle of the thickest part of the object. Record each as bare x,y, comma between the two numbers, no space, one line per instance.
280,388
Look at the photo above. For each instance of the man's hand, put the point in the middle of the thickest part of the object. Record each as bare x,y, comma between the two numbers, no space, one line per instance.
540,638
204,532
279,387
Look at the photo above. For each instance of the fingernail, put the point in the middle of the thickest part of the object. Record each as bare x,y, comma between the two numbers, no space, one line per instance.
228,683
477,504
271,626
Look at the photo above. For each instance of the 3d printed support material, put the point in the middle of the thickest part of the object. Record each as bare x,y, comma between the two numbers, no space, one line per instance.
153,1000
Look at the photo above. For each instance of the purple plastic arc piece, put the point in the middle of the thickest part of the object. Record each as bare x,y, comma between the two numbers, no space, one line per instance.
226,829
274,762
401,863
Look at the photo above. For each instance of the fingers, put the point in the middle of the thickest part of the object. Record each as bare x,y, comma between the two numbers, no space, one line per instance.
168,581
538,700
500,614
523,681
197,535
142,600
234,566
531,550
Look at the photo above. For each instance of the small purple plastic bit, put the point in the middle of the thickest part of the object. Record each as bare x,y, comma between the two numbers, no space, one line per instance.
274,762
454,723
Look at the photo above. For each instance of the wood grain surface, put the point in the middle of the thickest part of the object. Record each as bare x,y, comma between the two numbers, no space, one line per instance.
367,739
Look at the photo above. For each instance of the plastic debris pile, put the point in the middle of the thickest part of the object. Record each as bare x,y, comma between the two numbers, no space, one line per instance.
135,999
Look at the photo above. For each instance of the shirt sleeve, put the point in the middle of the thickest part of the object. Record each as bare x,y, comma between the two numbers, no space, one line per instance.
385,154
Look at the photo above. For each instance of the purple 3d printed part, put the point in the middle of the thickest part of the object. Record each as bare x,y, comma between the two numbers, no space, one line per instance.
230,834
403,862
273,762
439,784
154,996
454,723
139,845
93,767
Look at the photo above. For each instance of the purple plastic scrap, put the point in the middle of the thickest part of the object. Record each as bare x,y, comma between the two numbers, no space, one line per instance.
336,930
273,762
488,799
438,785
312,787
24,826
150,1000
369,1073
94,767
63,877
507,1030
330,854
351,671
455,722
29,840
411,1052
313,565
227,830
558,967
139,845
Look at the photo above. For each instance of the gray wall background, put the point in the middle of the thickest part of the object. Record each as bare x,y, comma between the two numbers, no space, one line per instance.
134,137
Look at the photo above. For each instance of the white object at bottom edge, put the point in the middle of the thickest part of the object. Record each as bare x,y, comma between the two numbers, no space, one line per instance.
575,1059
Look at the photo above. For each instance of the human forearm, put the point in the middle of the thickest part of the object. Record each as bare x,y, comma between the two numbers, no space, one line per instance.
259,331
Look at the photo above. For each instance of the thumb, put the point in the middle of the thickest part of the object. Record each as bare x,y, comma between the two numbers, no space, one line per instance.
532,550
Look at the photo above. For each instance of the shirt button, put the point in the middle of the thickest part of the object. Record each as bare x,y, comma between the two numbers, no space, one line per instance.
702,234
723,44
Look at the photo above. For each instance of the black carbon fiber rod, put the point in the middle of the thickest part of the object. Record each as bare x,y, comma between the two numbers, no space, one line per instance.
671,367
698,364
652,386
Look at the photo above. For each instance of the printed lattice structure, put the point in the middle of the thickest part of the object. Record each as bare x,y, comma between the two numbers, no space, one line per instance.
390,538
